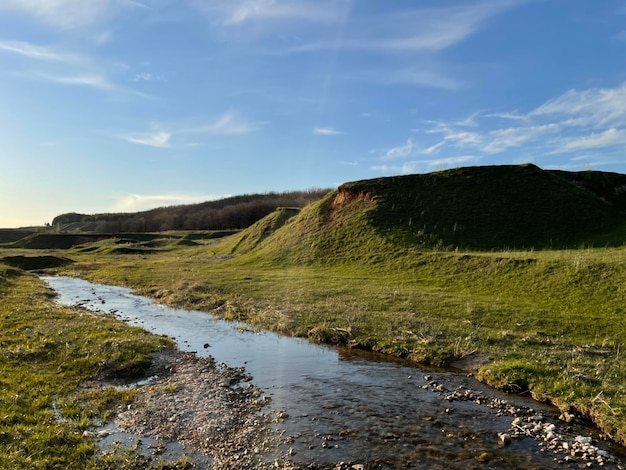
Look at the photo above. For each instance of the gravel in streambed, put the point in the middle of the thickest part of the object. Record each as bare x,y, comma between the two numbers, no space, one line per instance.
207,408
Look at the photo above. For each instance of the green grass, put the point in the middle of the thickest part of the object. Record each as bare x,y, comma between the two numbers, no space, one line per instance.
48,353
422,267
550,321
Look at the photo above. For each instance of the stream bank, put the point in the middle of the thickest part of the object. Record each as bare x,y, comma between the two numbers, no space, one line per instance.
337,409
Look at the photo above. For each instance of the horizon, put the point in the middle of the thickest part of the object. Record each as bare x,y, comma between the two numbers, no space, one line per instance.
129,105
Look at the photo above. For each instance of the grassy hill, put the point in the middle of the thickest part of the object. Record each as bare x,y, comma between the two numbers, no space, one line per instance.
375,265
475,208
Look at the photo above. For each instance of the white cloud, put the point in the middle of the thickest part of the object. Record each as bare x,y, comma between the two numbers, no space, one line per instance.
515,116
417,30
78,70
251,10
89,80
231,13
326,131
69,14
159,139
148,77
592,107
433,148
401,151
437,29
230,123
63,14
139,202
464,138
503,139
93,81
607,138
440,162
415,166
591,119
33,51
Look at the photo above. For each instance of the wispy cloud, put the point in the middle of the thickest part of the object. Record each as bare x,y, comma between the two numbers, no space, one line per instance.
91,81
416,30
326,131
37,52
463,138
148,77
588,124
608,138
139,202
238,12
500,140
159,139
411,149
66,68
68,14
230,123
415,166
593,107
401,151
162,136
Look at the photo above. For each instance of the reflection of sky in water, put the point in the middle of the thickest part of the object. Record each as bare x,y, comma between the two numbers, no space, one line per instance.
325,392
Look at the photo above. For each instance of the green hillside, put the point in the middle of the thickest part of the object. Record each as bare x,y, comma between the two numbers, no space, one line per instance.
474,208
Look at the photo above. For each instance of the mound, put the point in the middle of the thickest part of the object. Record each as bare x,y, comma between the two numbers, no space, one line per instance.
29,263
495,207
477,208
251,237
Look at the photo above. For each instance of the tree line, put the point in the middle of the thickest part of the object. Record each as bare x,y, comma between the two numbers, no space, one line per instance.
230,213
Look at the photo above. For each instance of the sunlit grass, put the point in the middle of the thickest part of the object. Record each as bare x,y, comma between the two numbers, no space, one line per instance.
48,354
549,321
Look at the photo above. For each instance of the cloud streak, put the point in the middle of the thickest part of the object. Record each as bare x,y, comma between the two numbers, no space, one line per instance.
329,131
36,52
591,122
64,68
424,30
608,138
68,14
235,13
156,139
228,124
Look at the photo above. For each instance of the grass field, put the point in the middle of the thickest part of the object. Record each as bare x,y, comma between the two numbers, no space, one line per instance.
550,322
48,356
420,267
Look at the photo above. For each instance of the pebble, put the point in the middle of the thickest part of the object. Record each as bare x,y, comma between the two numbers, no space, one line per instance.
526,423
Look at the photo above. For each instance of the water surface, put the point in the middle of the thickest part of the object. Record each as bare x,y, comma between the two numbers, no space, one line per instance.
342,406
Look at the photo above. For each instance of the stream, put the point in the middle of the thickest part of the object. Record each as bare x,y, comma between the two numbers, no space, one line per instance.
340,405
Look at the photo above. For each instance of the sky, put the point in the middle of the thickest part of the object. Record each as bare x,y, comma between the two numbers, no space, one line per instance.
125,105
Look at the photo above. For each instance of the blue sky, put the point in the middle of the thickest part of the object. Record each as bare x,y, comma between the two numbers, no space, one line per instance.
124,105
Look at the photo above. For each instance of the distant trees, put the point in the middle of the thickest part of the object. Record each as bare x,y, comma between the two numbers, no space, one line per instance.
225,214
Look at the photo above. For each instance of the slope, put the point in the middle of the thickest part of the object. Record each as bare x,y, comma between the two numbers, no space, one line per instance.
475,208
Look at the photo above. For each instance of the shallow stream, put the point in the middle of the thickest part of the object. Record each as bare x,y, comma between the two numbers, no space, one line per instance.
337,405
